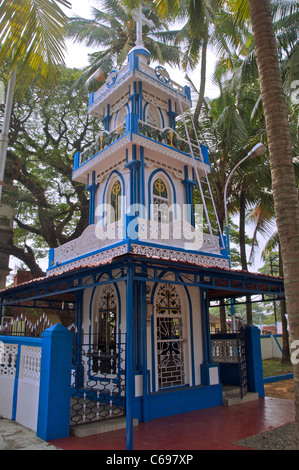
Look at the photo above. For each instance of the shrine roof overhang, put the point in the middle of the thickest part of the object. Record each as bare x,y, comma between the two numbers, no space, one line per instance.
219,283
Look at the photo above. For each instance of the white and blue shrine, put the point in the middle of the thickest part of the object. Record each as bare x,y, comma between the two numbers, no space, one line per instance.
143,272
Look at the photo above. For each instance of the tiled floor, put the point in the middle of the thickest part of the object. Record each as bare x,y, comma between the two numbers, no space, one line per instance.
210,429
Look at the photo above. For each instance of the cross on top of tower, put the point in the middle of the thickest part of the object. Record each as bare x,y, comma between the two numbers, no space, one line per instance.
141,20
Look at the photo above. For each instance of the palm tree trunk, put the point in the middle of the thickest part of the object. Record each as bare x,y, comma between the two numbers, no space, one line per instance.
282,170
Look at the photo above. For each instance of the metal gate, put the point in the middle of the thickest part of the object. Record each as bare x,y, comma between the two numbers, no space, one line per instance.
231,349
98,380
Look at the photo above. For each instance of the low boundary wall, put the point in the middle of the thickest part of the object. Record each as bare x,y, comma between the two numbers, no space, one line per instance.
35,381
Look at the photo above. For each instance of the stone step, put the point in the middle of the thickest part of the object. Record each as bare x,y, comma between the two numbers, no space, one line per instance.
237,400
229,391
98,427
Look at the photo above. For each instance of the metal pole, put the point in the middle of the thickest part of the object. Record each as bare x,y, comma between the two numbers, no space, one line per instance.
130,392
5,127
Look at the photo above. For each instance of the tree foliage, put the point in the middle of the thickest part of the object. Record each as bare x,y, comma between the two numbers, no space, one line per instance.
46,130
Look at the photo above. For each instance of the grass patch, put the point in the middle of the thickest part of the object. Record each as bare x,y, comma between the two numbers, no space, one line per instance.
273,367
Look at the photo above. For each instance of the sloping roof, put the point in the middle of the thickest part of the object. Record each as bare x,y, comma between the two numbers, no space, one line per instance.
226,281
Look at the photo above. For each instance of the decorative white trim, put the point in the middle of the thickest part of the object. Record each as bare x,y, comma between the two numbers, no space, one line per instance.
97,259
150,163
79,174
180,256
104,93
169,151
153,99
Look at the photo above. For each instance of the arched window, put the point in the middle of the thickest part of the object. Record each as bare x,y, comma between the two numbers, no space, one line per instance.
106,331
152,116
170,348
121,116
115,198
160,202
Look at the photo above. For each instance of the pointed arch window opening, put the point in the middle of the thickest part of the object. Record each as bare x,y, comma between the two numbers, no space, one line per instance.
170,348
106,335
115,202
161,203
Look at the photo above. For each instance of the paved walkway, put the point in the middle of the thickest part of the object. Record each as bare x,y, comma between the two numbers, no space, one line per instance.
211,429
13,436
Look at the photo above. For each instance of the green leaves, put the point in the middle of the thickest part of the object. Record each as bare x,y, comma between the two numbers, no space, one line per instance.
113,31
31,37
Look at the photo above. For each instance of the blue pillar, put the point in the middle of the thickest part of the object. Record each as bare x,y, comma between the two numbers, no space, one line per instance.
130,376
79,368
107,118
55,384
172,115
206,341
134,166
254,360
92,188
76,160
189,195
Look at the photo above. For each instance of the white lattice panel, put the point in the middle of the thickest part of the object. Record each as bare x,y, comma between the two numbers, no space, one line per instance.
30,364
8,359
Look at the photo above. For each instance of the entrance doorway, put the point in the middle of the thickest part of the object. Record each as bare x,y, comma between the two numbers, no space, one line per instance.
169,338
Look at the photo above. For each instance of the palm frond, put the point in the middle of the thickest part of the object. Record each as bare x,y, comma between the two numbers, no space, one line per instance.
31,36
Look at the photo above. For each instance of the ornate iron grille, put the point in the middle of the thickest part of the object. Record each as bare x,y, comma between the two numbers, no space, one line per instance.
170,352
232,350
98,381
242,363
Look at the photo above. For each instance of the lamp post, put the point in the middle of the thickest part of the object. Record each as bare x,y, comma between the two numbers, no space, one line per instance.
258,149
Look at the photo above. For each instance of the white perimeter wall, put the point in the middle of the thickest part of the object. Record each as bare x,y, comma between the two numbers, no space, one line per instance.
23,387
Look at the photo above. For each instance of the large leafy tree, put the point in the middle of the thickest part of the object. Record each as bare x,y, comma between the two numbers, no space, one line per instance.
46,130
32,45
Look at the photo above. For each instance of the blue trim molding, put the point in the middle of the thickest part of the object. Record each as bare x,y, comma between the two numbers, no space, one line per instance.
92,188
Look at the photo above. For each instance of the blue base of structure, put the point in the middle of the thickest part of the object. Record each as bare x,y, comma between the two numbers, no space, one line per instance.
174,402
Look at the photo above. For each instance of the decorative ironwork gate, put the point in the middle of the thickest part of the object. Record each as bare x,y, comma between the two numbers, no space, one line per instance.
231,349
98,380
169,340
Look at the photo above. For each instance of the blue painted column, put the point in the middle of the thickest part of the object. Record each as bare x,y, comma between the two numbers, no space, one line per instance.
189,195
206,338
130,377
79,368
134,166
92,188
107,118
254,360
55,384
172,115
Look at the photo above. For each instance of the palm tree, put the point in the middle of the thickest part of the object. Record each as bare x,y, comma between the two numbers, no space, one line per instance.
280,147
113,31
31,38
